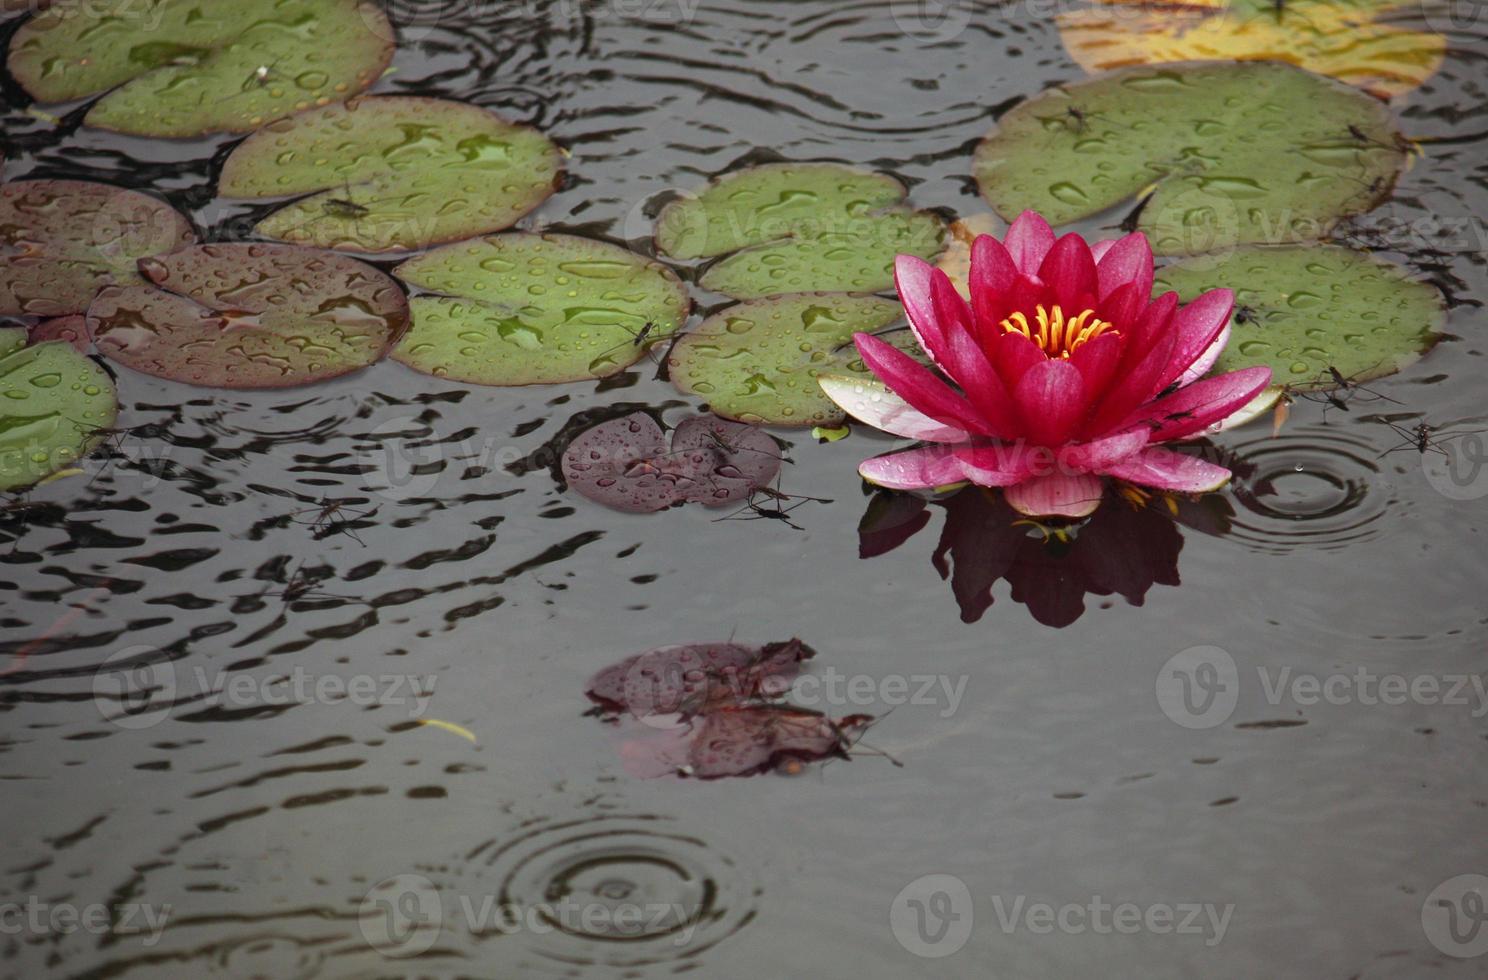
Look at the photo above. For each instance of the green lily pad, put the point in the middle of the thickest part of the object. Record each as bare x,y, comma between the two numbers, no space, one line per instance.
250,316
1229,153
1302,310
61,241
523,309
393,173
758,361
53,404
184,68
797,228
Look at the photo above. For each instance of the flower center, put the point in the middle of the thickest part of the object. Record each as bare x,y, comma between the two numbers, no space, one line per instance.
1053,332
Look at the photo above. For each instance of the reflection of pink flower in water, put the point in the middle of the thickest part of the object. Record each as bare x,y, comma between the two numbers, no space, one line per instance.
1122,550
1067,369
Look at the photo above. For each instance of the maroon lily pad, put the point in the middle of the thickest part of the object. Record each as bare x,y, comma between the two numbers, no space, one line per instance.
696,678
743,741
68,329
250,316
61,241
625,463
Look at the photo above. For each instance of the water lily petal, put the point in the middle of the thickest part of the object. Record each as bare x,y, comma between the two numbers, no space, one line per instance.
1099,249
1095,456
992,276
1096,361
1164,469
912,278
968,364
1028,241
918,385
1056,496
1012,355
1201,404
1196,327
922,468
870,401
1001,464
1069,270
1129,260
1051,401
1206,360
1133,386
951,311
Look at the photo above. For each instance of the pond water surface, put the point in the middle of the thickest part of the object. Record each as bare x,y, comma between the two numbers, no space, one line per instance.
261,816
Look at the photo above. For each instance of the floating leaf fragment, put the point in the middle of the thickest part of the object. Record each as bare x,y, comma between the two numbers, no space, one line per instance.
521,309
1303,310
625,463
1351,40
695,678
713,710
54,402
61,241
180,68
758,361
797,228
250,316
1217,154
392,173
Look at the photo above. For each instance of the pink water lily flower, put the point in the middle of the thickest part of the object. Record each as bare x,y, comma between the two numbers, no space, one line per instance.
1065,369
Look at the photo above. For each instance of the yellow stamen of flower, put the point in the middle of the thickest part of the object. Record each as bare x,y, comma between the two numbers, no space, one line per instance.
1053,332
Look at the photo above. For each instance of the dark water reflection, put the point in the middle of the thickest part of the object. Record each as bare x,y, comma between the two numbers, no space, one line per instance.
178,725
1127,547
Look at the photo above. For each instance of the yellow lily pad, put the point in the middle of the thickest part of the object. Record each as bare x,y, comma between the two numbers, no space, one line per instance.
1349,40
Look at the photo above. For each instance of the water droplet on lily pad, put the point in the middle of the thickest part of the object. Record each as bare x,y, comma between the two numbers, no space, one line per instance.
386,173
1282,330
798,227
180,69
616,306
768,373
1248,183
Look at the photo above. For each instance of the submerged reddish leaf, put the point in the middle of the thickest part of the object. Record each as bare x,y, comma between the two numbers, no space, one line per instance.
712,710
250,316
743,741
625,463
696,678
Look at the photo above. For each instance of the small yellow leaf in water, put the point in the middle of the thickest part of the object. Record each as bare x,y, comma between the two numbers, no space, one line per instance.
823,434
955,261
1349,41
60,474
450,726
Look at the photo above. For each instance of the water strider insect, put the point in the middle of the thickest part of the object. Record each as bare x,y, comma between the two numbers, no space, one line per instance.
302,586
1245,314
331,517
759,512
1421,438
